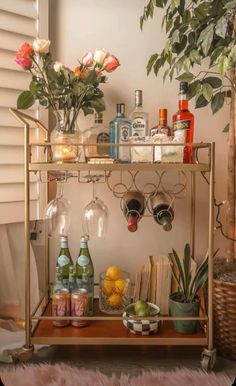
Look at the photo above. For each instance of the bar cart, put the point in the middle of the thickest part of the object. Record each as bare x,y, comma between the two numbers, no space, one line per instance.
38,322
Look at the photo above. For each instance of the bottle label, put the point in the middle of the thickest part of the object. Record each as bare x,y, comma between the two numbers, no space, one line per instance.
124,152
83,244
63,260
139,127
102,138
83,260
182,125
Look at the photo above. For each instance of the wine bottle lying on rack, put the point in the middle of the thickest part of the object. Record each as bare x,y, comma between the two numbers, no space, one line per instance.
133,206
162,211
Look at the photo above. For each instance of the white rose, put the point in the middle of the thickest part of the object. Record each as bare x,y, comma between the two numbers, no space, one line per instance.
99,56
41,45
58,66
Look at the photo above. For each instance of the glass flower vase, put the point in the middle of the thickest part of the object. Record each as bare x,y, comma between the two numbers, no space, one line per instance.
66,136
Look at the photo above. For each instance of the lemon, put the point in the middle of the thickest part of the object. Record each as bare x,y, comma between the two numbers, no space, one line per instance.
108,286
114,300
120,286
113,272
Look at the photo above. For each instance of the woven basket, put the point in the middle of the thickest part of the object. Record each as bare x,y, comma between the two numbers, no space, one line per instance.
224,309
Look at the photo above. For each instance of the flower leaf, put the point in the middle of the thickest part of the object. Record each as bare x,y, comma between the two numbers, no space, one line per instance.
25,100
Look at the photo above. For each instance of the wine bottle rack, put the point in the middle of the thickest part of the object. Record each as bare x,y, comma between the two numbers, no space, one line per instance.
106,329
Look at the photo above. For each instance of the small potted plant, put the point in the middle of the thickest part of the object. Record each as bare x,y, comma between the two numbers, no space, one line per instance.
186,302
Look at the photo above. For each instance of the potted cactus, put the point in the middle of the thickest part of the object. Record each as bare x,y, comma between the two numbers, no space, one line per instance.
185,302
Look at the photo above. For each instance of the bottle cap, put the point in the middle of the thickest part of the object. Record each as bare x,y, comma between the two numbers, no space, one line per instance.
98,118
183,87
132,223
120,108
64,238
163,113
84,238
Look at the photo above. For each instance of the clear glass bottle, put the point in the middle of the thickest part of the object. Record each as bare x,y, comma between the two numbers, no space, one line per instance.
85,271
162,211
58,284
119,133
139,117
97,134
183,120
162,127
64,260
133,206
72,280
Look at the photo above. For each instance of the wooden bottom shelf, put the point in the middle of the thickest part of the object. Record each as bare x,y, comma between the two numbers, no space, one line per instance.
110,332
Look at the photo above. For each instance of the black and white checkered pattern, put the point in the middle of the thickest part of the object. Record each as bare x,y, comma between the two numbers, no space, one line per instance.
141,327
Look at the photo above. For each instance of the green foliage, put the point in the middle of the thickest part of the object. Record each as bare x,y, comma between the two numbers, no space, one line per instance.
63,89
197,31
188,284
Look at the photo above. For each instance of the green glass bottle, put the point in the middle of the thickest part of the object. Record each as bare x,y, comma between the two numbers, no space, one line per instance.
72,280
85,271
64,260
58,285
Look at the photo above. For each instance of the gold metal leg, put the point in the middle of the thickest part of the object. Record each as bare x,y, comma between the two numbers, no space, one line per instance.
193,213
211,246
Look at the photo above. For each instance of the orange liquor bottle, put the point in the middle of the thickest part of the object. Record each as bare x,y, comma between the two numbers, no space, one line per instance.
162,127
184,120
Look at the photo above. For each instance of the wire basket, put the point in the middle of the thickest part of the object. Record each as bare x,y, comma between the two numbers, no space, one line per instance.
224,309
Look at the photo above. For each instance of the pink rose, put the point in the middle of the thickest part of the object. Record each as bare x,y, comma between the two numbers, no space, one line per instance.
25,63
111,63
87,59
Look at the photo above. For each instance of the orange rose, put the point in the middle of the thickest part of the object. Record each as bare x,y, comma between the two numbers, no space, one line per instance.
25,51
77,72
111,63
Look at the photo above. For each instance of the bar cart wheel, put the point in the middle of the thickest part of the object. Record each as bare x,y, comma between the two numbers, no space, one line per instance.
208,359
22,354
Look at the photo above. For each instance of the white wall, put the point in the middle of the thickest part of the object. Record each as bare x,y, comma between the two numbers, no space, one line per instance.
78,26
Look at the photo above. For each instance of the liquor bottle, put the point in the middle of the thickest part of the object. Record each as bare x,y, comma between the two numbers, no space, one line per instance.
162,211
97,134
72,280
58,285
139,117
64,260
133,206
119,133
85,271
162,127
184,120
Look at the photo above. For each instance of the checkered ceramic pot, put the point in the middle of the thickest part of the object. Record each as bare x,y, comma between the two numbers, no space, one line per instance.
143,326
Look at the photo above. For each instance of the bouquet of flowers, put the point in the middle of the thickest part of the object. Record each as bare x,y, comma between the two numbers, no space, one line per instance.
65,90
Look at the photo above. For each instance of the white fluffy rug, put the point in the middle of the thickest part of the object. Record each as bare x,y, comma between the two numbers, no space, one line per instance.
64,375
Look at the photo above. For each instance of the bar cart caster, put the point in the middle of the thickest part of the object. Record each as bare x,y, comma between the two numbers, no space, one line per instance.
22,354
208,359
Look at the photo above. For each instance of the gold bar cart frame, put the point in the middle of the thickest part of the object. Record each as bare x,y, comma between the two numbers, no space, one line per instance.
24,119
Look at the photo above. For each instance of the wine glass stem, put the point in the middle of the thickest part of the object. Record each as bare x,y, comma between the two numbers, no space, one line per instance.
94,191
60,188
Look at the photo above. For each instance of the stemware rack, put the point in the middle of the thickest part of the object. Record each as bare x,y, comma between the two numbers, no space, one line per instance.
107,329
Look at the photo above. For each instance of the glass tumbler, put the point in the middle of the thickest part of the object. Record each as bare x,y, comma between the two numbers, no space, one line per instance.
141,153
